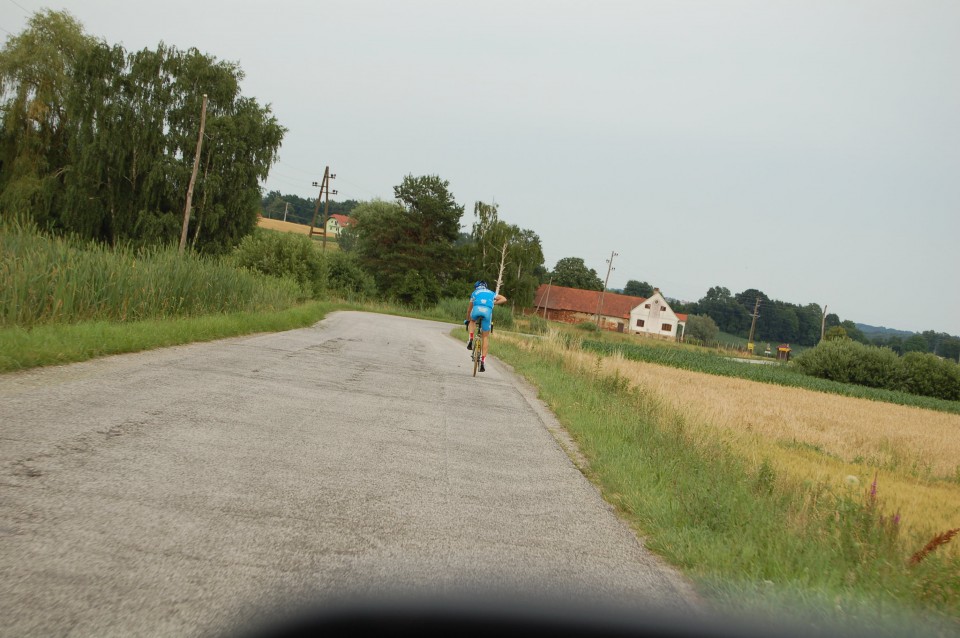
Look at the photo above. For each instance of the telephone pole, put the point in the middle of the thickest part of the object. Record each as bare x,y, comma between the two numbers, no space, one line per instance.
605,281
753,325
324,194
193,176
823,321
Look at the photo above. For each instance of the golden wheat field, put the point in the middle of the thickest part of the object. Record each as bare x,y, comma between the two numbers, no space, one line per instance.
813,436
282,226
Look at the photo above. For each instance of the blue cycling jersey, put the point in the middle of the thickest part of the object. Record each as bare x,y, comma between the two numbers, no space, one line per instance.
483,297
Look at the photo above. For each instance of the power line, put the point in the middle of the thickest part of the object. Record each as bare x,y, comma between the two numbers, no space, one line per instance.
296,168
25,10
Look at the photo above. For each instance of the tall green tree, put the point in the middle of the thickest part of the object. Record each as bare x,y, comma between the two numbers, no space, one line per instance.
636,288
409,245
493,240
728,313
572,272
915,343
854,332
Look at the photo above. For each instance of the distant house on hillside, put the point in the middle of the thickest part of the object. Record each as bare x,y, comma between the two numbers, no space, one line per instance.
336,223
620,313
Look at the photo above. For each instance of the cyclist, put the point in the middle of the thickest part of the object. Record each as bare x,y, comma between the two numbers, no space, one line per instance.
481,306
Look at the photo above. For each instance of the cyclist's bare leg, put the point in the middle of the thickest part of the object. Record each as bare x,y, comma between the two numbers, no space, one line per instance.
486,343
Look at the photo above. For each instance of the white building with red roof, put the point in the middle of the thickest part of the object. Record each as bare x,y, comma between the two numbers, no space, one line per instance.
336,223
622,313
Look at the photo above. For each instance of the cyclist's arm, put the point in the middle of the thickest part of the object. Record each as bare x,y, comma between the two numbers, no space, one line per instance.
469,310
499,300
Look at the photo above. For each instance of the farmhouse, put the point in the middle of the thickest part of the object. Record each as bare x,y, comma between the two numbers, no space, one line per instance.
336,223
622,313
655,317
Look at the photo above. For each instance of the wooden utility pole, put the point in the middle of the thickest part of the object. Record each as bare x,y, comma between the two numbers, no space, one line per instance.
823,322
753,325
609,268
316,208
324,194
546,303
193,177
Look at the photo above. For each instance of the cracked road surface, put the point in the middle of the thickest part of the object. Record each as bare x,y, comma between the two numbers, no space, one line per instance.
187,491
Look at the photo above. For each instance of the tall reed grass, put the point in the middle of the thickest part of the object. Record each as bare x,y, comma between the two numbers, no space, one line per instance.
51,280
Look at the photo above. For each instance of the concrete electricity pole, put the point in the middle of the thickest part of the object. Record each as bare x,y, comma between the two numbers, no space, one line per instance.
823,321
605,281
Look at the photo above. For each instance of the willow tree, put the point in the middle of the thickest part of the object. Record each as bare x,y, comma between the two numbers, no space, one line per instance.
36,69
130,126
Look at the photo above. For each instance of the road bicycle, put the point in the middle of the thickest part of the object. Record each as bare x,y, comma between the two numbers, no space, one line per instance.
477,353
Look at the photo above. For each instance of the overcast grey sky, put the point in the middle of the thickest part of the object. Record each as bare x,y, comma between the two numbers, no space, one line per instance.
807,149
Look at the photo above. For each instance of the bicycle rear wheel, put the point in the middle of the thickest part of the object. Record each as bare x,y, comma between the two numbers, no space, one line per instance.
477,349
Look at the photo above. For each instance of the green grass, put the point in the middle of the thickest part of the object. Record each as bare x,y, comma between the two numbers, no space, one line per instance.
48,280
21,348
702,360
749,538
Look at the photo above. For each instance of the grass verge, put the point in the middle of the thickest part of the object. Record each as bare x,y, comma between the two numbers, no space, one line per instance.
754,540
22,348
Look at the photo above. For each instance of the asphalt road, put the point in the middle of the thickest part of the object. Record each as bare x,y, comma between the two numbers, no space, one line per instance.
190,490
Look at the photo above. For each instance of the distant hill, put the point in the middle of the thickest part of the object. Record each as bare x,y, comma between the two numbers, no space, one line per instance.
882,330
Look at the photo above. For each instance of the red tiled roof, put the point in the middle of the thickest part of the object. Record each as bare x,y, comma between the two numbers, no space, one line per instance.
576,300
343,220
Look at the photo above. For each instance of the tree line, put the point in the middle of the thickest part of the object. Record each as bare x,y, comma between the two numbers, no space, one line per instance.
801,324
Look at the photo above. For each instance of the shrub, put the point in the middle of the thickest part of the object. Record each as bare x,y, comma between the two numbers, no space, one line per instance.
418,290
284,255
849,361
925,374
589,326
345,276
852,362
701,328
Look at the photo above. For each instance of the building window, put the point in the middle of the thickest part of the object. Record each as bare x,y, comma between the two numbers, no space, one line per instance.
647,306
663,308
666,327
639,323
